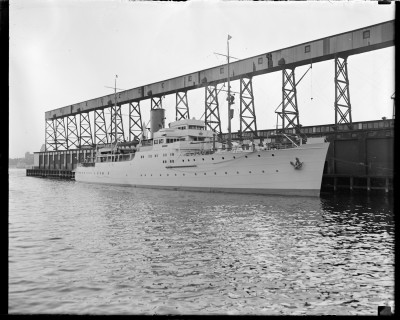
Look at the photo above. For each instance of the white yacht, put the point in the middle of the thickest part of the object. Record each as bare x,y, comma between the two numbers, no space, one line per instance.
186,156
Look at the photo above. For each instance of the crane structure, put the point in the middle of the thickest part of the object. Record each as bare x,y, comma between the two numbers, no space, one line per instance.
70,126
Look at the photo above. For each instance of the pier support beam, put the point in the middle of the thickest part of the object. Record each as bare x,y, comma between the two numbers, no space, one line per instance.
247,113
135,121
117,126
85,132
60,134
212,118
72,132
342,93
182,107
156,103
50,136
100,127
289,115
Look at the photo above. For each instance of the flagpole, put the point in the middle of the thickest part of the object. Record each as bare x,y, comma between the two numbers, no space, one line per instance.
229,101
115,109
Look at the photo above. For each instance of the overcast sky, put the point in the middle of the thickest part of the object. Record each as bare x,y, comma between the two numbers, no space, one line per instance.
64,52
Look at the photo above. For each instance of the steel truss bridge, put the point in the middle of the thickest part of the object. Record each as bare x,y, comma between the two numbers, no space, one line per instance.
70,127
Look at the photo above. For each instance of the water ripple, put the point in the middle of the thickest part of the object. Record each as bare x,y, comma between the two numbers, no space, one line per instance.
80,249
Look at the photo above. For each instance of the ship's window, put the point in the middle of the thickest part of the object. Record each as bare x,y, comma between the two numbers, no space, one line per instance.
212,158
221,70
234,157
223,158
277,170
273,155
226,172
259,156
183,174
183,160
175,174
155,141
160,174
215,173
260,60
245,156
190,78
188,160
194,159
249,171
237,172
263,171
203,159
307,49
204,173
195,174
167,175
366,34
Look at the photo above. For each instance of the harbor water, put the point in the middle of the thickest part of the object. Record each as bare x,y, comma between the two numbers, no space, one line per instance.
76,248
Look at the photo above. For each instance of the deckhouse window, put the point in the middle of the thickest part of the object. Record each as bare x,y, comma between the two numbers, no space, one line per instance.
155,141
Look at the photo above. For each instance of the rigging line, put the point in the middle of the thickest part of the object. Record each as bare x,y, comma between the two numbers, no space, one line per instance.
297,83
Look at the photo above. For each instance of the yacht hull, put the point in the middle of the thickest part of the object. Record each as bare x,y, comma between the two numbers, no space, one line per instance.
259,172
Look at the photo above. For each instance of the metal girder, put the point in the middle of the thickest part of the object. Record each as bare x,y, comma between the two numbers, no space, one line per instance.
342,93
247,113
100,127
72,132
85,132
135,121
289,115
60,134
182,108
117,126
212,119
50,136
156,103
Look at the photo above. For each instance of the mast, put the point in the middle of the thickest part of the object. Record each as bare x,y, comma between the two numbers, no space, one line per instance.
229,101
115,109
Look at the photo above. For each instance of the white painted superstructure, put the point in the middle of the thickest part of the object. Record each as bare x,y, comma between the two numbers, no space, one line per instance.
181,157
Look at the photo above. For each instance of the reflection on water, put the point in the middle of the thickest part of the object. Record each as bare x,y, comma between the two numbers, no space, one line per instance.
78,248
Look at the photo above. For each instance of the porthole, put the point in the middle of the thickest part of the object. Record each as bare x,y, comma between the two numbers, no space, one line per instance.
203,159
237,172
249,171
160,175
175,174
277,170
195,174
167,175
226,172
273,155
259,156
234,157
183,160
263,171
215,173
212,158
183,174
223,158
245,156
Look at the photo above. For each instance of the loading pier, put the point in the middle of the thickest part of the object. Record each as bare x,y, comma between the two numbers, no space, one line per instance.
360,156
